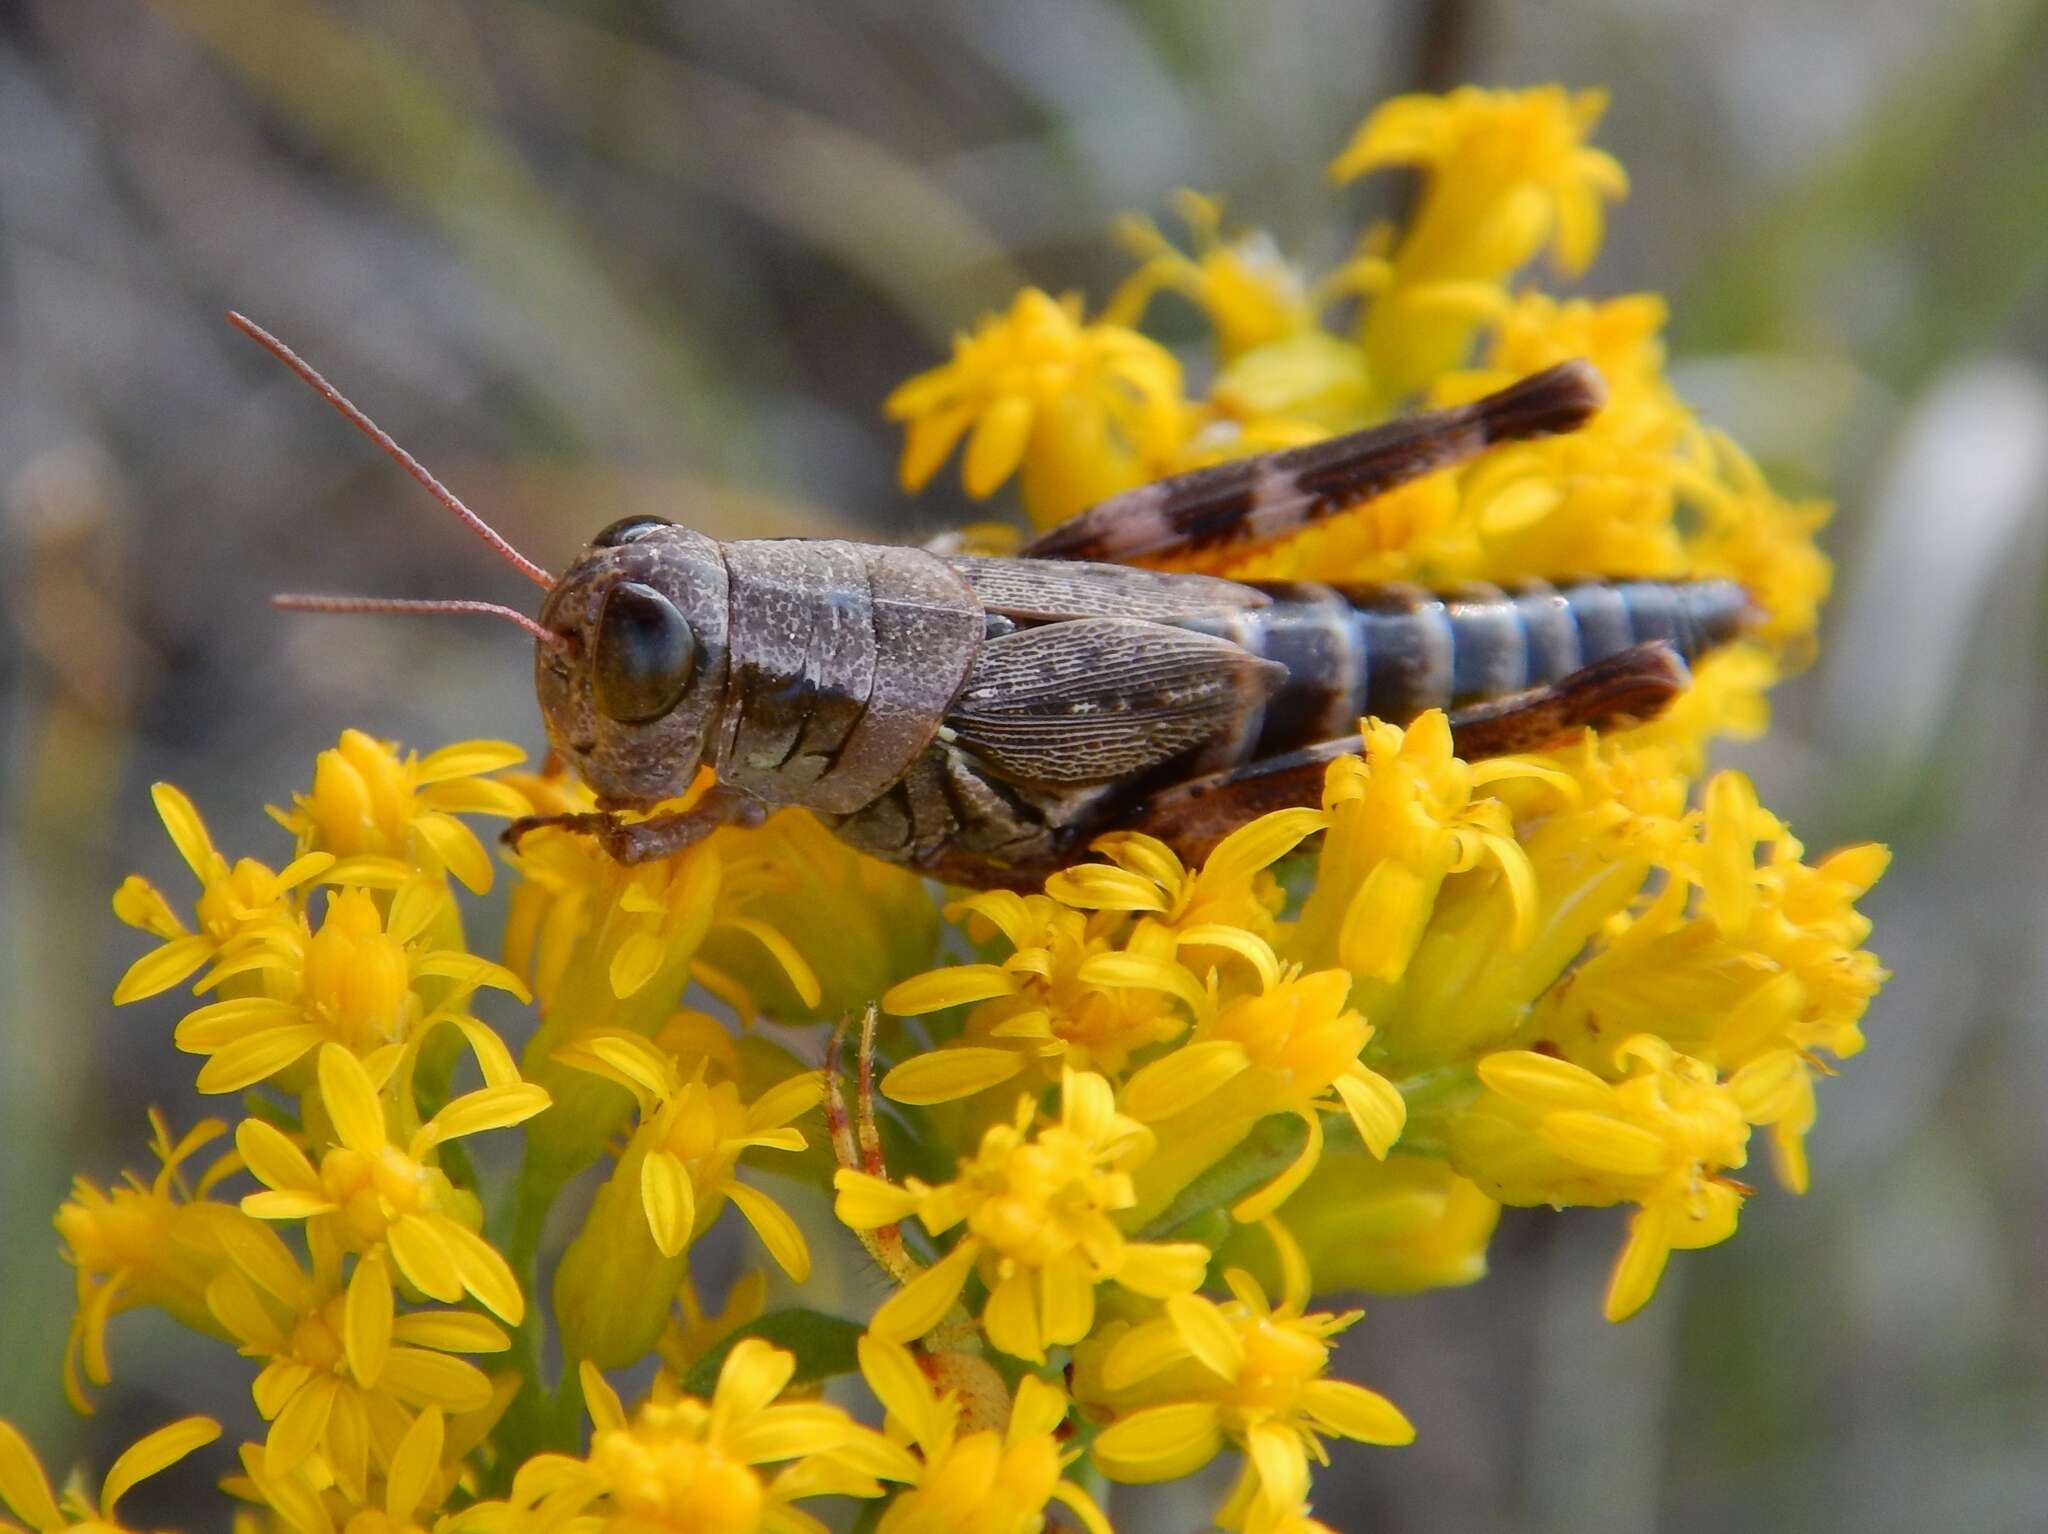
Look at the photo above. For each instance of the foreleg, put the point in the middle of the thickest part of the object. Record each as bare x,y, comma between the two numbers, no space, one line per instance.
644,841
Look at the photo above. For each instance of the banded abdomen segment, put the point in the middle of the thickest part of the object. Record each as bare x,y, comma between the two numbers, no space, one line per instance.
1394,651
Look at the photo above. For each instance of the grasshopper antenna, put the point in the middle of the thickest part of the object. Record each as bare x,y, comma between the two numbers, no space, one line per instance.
405,460
301,602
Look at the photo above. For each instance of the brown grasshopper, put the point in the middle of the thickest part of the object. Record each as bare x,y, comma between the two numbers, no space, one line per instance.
981,720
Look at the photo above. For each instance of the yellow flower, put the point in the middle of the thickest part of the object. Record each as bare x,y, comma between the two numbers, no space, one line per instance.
1401,821
418,1481
687,1148
1550,1132
1250,293
238,908
356,982
1505,172
1243,1372
1038,1210
1292,1048
974,1482
1076,991
380,1197
342,1378
1085,409
1738,961
26,1490
678,1462
142,1244
372,807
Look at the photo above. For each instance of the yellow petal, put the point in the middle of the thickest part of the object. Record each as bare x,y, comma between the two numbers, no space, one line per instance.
450,1331
417,1249
484,1273
273,1160
1082,1506
946,1074
297,1432
187,830
158,1451
788,1430
997,446
1376,1107
1543,1081
467,759
778,1232
1102,887
922,1303
1066,1300
1260,842
893,1375
1160,1268
161,968
457,848
1160,1443
1356,1412
1135,971
23,1486
1010,1318
607,1412
866,1201
1605,1144
638,960
1277,1453
351,1101
1206,1334
802,979
366,1322
487,1108
669,1200
436,1379
1142,1352
952,987
1640,1266
1177,1081
414,1466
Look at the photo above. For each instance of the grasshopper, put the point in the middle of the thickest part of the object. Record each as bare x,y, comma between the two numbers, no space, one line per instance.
981,720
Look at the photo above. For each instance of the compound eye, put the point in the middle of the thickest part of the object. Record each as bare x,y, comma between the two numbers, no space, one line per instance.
628,530
645,656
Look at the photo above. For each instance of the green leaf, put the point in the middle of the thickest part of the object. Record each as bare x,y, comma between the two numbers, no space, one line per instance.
824,1346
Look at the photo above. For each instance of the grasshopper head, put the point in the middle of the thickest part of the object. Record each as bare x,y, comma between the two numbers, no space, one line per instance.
633,698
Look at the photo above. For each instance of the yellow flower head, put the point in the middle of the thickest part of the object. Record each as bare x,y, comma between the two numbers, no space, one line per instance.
1505,172
361,981
687,1148
26,1490
1038,1209
381,1197
1550,1132
1402,820
1243,1372
982,1481
342,1377
376,809
678,1462
1292,1048
239,907
1086,409
1250,293
1077,990
139,1244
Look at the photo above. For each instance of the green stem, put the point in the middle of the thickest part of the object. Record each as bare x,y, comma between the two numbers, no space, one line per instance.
530,1424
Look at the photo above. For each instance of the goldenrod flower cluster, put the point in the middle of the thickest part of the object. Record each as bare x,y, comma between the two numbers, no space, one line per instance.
1138,1122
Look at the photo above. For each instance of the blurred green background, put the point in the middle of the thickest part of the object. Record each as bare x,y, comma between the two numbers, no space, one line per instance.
587,259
